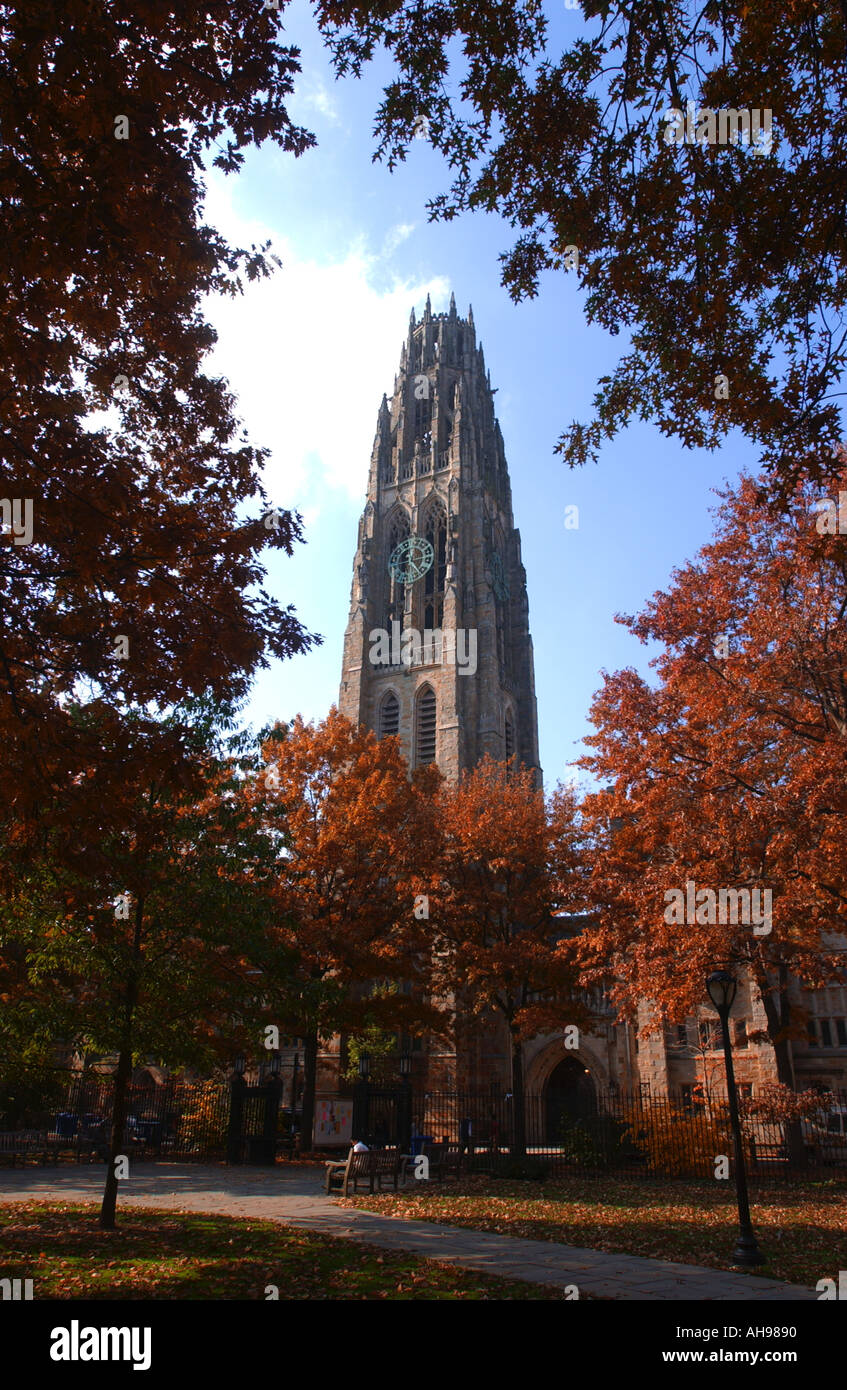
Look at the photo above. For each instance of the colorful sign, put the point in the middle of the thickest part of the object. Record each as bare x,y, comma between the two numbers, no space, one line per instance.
333,1121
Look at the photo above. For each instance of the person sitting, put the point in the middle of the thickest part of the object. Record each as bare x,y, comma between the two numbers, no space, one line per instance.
360,1148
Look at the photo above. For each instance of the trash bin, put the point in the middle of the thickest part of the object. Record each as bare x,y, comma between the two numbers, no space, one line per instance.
260,1151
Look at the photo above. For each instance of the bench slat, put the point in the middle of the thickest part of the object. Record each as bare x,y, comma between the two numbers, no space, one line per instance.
372,1164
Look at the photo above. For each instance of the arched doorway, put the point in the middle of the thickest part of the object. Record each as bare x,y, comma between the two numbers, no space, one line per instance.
570,1093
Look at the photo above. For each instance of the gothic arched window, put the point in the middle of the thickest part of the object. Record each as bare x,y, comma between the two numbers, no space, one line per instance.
509,734
425,712
396,590
435,531
389,715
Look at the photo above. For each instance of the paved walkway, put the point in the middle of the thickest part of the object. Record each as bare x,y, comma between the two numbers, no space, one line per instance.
293,1196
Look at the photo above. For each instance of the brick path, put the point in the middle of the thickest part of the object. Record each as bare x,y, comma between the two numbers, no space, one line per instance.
293,1195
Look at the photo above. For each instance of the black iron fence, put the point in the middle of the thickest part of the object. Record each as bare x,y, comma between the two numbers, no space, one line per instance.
612,1131
198,1120
179,1120
606,1131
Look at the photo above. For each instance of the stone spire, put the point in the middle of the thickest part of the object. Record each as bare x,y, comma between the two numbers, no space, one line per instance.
439,480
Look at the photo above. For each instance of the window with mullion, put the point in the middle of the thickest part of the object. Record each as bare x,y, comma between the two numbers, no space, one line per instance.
396,589
433,595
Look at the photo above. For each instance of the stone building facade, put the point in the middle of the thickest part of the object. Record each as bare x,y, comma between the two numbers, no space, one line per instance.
438,552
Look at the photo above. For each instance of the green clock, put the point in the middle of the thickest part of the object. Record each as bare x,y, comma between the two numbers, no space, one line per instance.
498,577
410,560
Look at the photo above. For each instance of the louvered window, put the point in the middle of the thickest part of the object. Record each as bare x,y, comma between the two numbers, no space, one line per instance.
425,731
389,715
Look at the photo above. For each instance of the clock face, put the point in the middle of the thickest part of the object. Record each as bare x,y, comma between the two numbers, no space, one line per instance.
498,577
410,560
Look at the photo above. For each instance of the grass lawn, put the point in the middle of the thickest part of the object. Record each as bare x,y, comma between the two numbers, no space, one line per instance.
802,1230
177,1255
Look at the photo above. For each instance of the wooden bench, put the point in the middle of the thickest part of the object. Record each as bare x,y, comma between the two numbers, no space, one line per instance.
373,1164
445,1160
46,1147
775,1151
24,1143
92,1150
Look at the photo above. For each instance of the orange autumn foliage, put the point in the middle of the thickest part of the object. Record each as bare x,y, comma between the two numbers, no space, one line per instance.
730,771
497,935
353,831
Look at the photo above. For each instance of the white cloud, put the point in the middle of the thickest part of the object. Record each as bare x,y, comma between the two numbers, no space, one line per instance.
396,236
315,95
309,353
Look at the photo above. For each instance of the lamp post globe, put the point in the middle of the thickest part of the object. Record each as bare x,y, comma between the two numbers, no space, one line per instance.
721,987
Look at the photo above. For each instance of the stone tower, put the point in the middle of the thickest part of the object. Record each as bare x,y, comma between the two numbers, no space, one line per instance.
437,647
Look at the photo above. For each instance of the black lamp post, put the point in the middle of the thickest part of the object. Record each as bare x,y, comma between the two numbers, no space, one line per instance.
361,1110
722,986
238,1088
404,1127
295,1136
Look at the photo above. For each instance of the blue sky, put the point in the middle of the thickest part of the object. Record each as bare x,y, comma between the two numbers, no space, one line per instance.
311,352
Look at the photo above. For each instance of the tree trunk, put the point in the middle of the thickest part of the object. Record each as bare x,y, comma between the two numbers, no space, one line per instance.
518,1100
310,1068
778,1014
116,1145
122,1079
